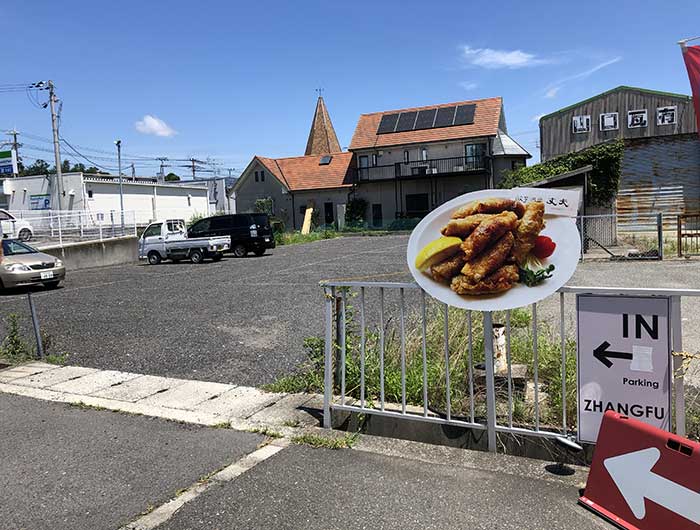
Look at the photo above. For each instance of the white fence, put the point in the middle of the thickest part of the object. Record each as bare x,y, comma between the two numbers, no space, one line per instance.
56,228
140,217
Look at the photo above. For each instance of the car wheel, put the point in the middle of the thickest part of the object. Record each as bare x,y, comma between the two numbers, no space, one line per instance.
260,252
52,285
197,256
25,235
240,251
217,256
153,258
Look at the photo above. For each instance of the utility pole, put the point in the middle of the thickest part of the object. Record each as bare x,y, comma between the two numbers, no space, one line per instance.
15,146
163,160
230,170
118,143
193,167
56,146
133,172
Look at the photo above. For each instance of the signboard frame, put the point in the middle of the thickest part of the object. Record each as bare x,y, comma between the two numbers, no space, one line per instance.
669,329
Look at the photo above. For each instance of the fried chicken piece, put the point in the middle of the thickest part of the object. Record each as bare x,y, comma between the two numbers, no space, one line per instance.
487,233
501,280
490,260
445,270
464,226
528,229
493,205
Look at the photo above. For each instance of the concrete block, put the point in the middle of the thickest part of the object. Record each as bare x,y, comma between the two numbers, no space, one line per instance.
93,382
52,377
187,395
138,388
240,402
10,374
288,411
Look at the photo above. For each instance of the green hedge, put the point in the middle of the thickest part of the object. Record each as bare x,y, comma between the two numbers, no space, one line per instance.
605,176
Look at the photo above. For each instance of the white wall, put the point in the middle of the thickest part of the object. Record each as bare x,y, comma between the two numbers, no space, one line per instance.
149,201
19,191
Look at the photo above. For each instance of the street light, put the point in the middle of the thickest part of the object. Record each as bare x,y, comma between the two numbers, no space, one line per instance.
118,143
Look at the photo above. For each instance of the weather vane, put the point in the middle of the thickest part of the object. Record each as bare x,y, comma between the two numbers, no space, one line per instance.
319,90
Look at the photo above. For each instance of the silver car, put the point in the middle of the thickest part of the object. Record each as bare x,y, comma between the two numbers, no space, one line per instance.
23,265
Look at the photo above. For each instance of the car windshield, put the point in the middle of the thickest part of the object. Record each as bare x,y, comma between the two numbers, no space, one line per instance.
10,247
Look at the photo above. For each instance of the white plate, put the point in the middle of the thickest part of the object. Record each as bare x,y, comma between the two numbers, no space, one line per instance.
565,258
47,275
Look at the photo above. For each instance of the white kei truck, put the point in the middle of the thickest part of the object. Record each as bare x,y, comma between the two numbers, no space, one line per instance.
167,239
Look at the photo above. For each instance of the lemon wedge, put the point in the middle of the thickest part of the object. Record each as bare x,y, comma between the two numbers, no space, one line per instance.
437,251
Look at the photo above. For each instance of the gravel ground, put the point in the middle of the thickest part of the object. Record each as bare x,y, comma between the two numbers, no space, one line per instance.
243,321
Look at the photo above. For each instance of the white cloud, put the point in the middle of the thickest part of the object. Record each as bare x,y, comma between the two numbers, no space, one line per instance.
468,85
551,90
490,58
155,126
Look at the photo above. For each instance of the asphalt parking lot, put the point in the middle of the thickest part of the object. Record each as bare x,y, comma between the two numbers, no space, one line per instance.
244,321
239,321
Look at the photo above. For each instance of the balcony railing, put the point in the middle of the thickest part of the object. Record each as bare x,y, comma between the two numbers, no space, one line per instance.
422,168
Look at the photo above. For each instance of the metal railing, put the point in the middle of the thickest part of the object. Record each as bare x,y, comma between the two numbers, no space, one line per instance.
488,400
422,168
688,234
59,228
622,236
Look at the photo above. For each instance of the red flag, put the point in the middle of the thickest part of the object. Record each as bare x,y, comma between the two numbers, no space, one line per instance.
691,55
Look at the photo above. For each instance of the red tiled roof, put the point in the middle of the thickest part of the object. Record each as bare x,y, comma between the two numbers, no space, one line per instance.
305,173
486,117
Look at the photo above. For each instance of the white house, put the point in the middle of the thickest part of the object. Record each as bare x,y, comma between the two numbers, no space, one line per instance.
147,198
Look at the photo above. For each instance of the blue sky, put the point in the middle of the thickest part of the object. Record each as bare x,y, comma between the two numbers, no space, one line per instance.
232,79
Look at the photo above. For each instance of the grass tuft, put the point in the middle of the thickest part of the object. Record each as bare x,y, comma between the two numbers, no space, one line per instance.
315,440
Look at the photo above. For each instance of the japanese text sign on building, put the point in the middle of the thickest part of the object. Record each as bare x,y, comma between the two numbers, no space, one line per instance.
624,360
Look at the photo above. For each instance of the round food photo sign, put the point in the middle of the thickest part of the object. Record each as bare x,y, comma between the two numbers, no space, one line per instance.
493,250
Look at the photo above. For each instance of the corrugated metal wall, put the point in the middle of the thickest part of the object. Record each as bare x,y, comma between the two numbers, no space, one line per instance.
660,174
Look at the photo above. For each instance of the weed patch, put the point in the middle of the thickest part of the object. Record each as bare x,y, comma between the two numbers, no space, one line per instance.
315,440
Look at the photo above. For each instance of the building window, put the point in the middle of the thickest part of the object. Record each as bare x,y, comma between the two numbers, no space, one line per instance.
474,156
417,205
256,176
89,194
406,157
423,154
302,210
189,200
517,164
374,159
262,176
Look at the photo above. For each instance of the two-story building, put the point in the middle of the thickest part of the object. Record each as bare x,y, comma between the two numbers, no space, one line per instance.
403,163
411,160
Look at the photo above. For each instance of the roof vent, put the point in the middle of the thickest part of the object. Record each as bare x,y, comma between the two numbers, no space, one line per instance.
325,160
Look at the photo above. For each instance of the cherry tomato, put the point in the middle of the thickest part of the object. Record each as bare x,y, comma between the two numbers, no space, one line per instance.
544,247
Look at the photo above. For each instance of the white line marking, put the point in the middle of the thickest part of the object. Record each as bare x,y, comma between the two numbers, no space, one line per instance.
167,510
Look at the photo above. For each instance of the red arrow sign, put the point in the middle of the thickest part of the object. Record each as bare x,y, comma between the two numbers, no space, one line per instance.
644,478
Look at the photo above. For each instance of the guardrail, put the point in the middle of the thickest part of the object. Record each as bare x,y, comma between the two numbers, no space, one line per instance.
414,338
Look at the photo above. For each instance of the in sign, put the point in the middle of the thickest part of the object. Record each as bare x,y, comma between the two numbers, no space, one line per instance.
623,360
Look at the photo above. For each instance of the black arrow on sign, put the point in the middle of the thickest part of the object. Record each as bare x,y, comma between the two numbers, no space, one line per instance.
603,355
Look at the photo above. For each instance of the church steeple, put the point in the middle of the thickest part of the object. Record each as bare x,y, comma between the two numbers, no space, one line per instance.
322,137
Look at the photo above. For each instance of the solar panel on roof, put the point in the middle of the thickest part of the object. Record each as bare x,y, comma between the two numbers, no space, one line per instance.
445,117
388,123
465,115
406,121
425,119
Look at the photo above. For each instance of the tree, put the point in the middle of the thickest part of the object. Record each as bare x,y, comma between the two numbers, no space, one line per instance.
39,167
78,168
65,166
171,177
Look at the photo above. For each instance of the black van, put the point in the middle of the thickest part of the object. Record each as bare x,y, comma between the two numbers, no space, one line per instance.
250,232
